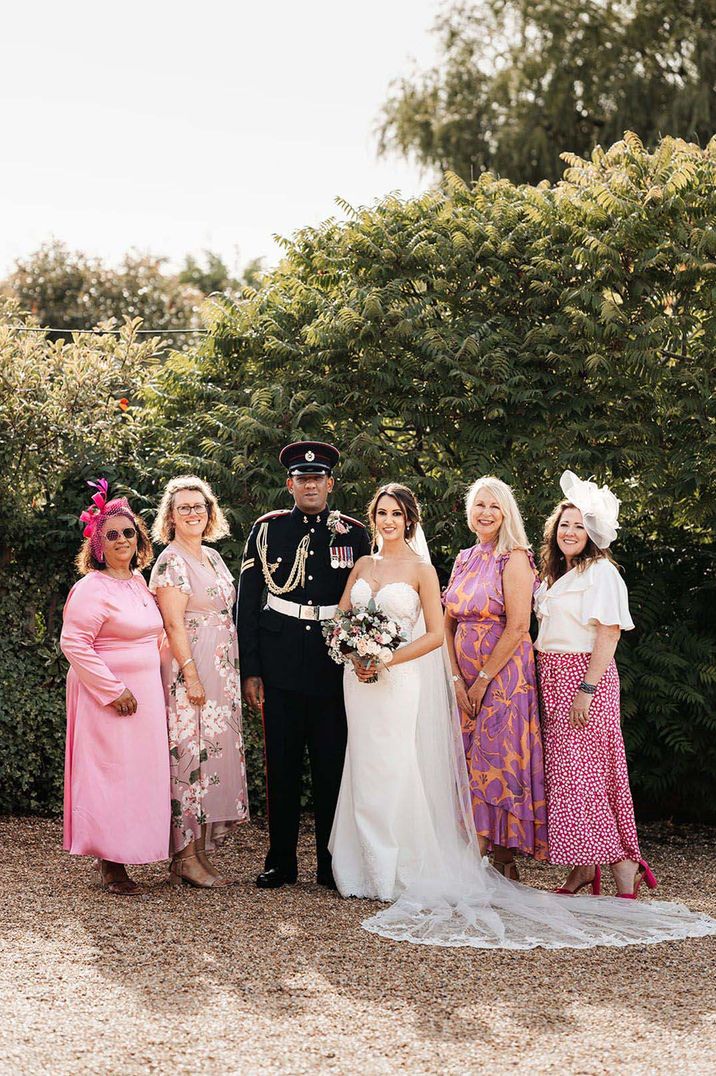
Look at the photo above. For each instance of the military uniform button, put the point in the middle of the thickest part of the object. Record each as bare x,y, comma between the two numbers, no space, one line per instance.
313,530
311,552
310,603
308,627
310,579
278,560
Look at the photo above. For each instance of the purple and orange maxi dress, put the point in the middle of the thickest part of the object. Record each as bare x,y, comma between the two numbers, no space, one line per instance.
503,744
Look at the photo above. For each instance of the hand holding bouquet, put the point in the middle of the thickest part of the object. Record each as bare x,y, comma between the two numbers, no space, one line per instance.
365,632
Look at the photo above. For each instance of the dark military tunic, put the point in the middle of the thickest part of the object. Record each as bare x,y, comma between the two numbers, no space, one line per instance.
303,687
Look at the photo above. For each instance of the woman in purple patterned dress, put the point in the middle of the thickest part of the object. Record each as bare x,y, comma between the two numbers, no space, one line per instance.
487,614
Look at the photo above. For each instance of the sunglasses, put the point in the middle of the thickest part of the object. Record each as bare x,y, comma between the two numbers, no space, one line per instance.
128,532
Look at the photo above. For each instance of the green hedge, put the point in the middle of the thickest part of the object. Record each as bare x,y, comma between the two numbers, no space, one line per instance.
509,329
517,330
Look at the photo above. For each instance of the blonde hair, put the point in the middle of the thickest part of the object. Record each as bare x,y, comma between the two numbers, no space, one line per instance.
512,534
163,526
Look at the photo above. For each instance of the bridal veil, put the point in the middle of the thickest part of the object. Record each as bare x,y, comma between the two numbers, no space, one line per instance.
458,899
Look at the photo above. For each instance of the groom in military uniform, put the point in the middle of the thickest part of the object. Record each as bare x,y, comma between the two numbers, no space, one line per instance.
296,563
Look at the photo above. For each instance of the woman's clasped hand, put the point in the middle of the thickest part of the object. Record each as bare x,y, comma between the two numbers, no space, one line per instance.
126,703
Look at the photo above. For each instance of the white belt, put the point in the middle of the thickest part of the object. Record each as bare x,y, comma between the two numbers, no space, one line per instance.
301,612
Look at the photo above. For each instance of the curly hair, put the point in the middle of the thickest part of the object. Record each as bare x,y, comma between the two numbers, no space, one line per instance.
408,505
163,526
86,561
553,563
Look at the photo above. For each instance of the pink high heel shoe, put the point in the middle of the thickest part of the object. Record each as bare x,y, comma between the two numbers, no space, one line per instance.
595,883
644,873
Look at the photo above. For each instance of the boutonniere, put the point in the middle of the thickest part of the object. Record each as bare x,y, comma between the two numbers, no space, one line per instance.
336,525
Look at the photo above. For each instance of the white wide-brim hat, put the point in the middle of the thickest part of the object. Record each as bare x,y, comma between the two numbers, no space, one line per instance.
599,507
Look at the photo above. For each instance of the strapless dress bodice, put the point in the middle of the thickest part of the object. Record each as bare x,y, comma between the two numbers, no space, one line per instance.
399,601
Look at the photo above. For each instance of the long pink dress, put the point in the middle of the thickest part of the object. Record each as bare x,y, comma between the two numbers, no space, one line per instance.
116,768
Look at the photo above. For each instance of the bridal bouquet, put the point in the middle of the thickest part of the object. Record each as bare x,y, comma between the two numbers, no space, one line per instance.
366,631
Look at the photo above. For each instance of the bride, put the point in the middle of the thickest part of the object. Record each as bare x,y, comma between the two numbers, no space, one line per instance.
403,830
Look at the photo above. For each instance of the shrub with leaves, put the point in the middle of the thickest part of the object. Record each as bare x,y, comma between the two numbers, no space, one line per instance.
509,329
69,411
69,290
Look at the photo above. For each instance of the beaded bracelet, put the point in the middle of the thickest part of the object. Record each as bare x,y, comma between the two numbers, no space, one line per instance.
588,689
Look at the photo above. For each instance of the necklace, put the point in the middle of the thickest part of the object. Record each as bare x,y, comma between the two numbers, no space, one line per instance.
203,560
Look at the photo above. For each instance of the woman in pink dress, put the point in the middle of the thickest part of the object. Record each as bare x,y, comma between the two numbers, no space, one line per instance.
582,606
487,615
116,758
196,596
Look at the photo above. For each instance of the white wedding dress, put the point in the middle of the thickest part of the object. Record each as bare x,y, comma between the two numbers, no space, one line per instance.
403,831
382,831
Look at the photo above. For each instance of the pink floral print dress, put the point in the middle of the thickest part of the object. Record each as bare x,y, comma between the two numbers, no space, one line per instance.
208,768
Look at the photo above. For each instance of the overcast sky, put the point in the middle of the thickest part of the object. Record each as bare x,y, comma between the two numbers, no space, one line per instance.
173,127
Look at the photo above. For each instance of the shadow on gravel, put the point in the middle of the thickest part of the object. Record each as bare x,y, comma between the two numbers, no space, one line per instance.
300,950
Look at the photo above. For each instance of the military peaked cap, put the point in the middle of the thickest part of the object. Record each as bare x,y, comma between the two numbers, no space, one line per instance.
309,457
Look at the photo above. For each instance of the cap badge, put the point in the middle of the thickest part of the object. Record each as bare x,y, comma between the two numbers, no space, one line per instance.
309,457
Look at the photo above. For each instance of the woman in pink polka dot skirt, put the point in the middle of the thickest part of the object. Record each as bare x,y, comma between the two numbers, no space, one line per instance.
582,607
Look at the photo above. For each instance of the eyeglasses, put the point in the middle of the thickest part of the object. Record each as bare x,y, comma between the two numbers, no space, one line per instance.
128,532
188,509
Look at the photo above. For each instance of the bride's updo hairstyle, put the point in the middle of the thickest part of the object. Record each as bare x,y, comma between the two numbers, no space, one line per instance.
408,505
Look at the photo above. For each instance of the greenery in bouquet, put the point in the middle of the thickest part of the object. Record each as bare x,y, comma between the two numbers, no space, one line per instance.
366,632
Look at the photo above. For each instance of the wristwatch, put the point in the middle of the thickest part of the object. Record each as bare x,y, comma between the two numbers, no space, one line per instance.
482,675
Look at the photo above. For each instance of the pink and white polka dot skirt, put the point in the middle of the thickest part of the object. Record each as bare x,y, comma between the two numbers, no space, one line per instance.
590,814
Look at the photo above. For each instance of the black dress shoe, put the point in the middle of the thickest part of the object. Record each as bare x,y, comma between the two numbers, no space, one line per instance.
326,880
274,878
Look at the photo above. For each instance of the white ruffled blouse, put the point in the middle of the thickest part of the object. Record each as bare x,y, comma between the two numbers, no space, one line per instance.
569,611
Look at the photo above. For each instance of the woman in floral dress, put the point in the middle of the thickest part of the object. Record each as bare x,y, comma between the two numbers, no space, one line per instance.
487,615
196,594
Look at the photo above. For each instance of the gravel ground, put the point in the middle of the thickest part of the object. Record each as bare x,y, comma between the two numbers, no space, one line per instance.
241,981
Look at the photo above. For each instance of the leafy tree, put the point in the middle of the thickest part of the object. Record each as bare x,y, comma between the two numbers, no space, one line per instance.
214,276
70,290
513,330
518,81
69,411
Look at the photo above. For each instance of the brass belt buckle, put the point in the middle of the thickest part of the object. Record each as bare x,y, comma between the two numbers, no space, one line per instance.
309,612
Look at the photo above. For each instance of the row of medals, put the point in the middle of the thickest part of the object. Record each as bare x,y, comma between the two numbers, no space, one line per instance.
341,556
